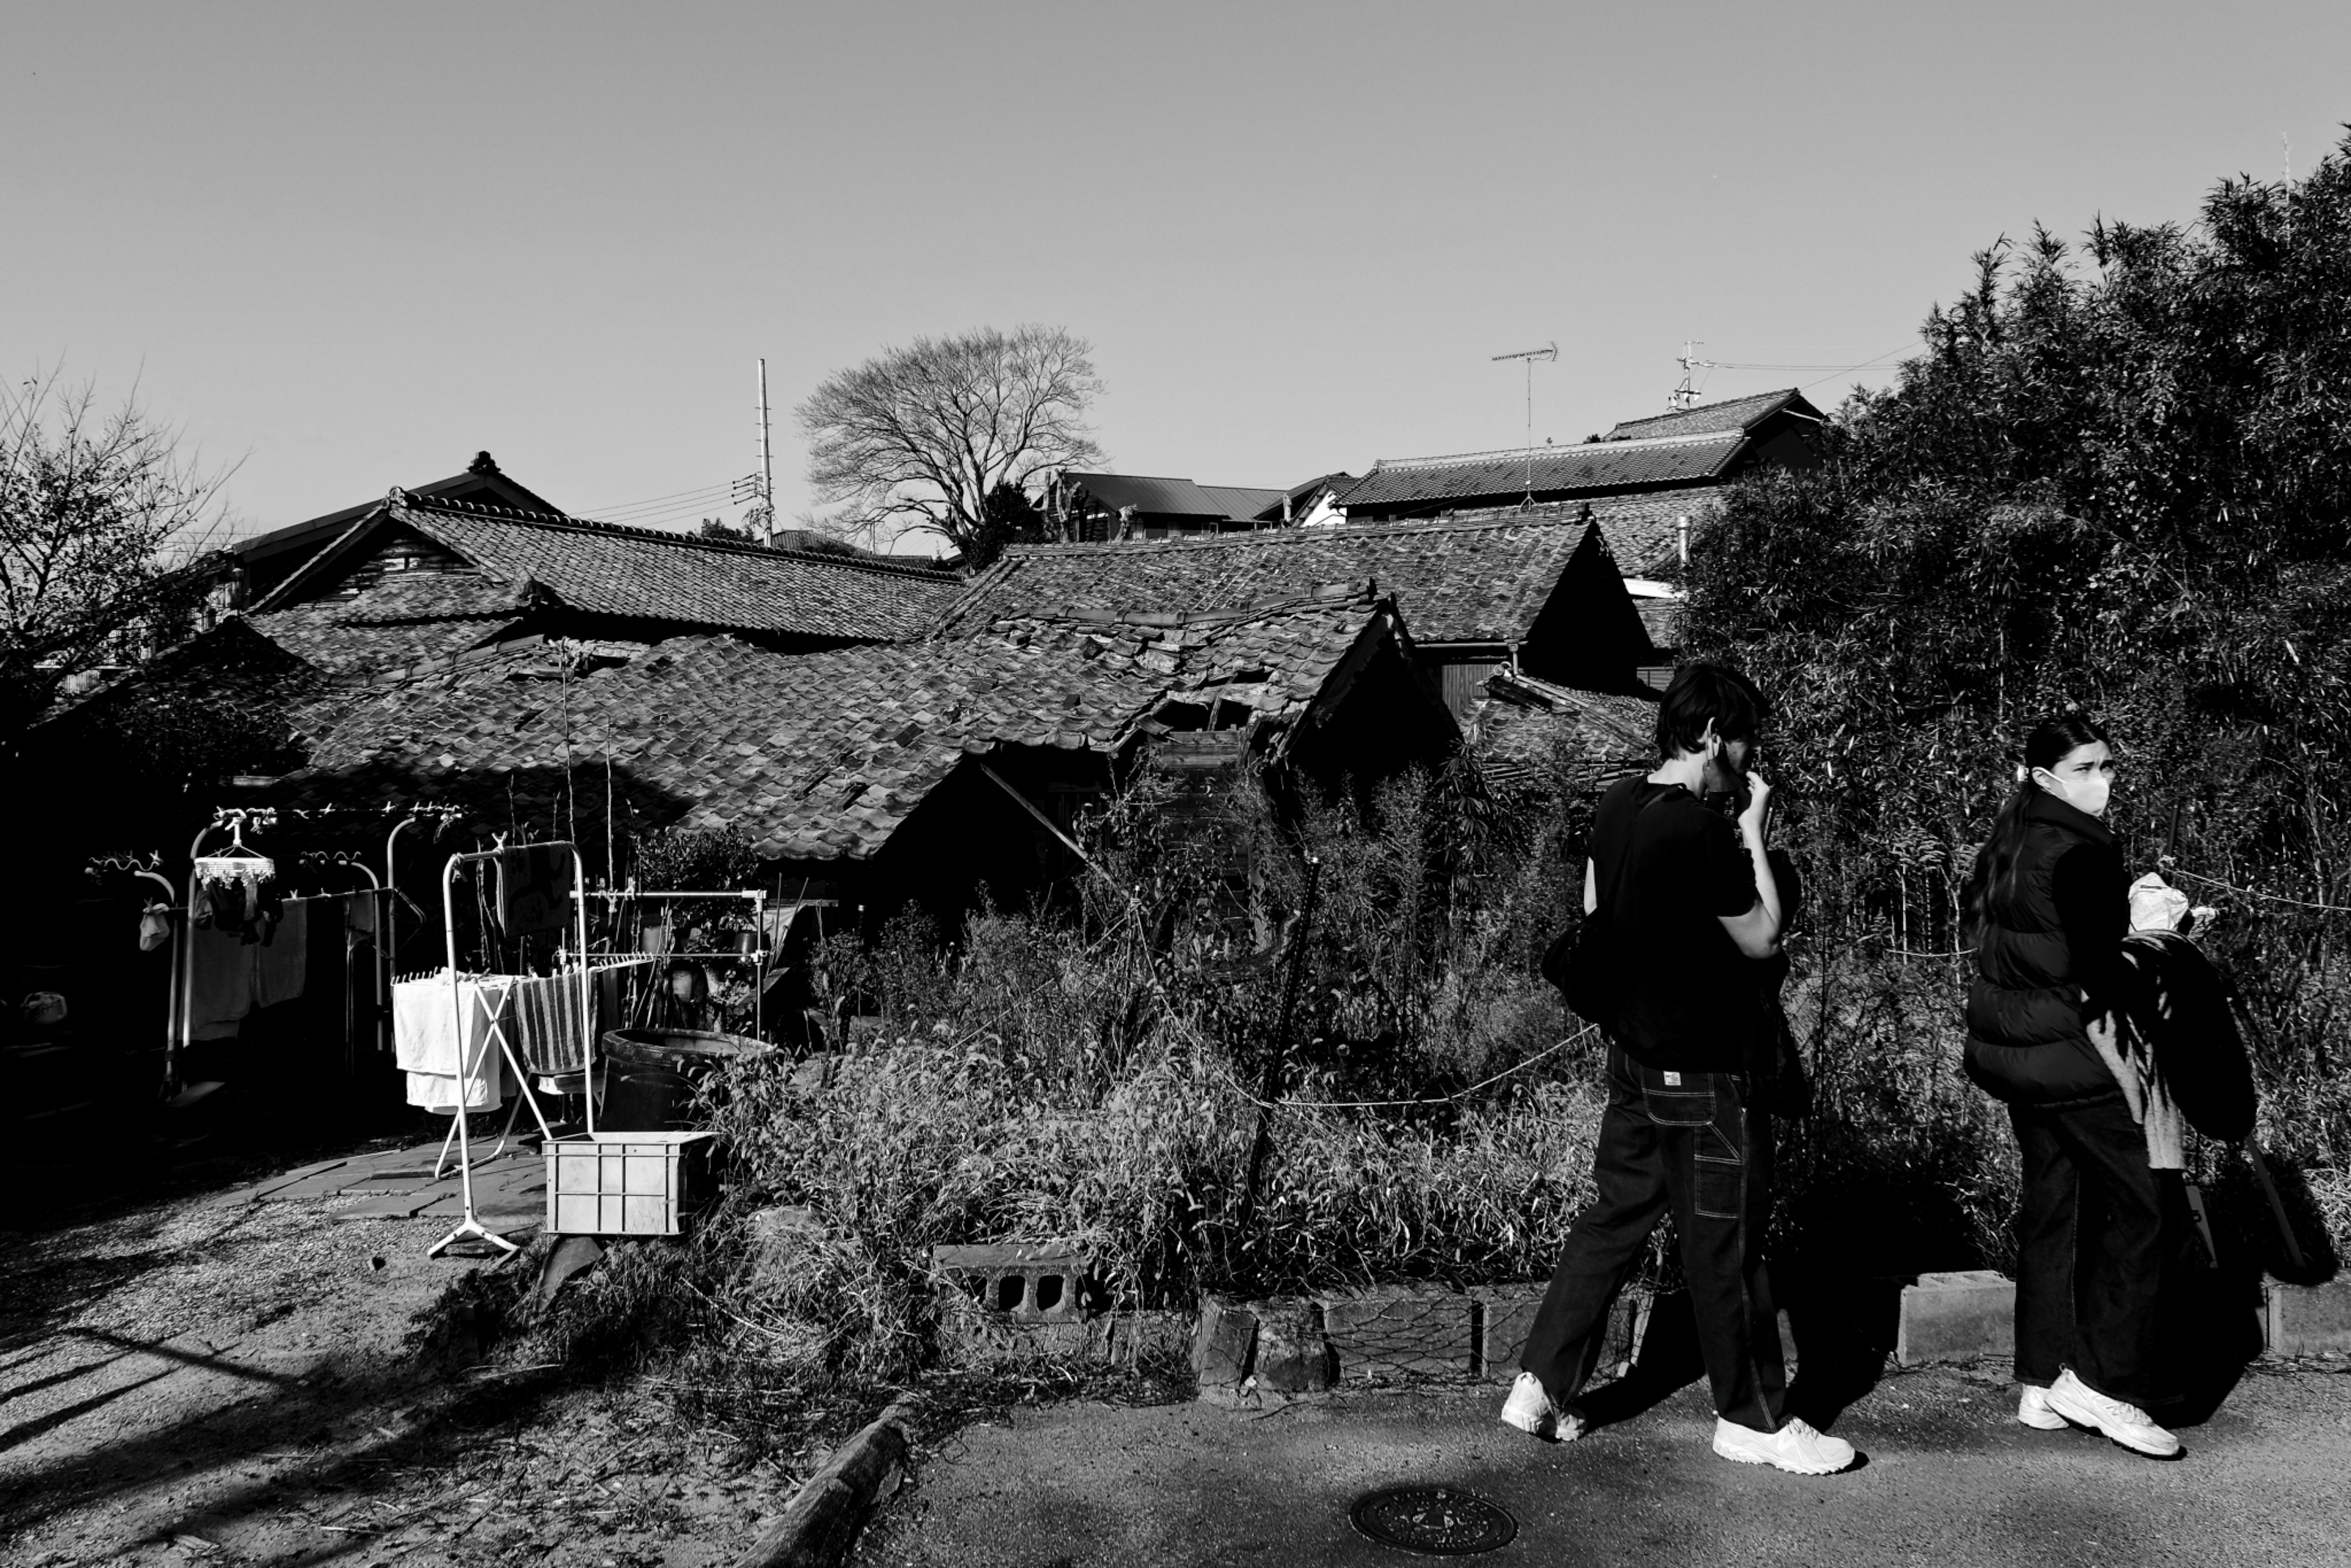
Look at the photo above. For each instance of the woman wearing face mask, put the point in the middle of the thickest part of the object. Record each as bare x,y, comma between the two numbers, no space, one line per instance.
2048,911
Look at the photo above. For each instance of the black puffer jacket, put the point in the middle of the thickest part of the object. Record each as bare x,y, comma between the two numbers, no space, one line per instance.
2026,1039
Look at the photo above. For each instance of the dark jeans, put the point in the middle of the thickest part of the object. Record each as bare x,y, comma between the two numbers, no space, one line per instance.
2094,1231
1701,1149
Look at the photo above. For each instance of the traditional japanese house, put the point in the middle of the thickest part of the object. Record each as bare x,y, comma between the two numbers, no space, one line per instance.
1538,592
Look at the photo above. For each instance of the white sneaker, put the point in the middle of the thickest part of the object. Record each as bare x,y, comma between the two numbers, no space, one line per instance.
1795,1446
1531,1410
2032,1409
2128,1425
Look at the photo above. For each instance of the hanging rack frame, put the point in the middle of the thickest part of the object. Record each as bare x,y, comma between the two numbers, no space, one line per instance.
471,1225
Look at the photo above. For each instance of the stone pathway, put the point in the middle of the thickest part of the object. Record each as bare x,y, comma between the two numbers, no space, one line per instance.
509,1191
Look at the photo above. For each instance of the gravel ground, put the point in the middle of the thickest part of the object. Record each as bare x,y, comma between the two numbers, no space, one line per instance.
189,1382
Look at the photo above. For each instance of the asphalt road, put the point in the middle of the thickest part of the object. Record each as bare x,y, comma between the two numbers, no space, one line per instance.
1948,1478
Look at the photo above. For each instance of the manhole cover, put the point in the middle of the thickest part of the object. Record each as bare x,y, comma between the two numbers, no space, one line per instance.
1437,1520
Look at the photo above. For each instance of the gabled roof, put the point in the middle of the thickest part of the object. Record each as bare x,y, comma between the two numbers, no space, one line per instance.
1643,532
483,482
1483,581
1739,413
1482,478
822,755
645,574
1303,493
1146,493
1244,502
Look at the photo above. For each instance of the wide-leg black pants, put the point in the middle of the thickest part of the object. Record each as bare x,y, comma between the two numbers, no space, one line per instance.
1689,1143
2095,1232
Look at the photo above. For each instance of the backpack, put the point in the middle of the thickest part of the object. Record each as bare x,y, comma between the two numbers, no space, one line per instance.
1582,961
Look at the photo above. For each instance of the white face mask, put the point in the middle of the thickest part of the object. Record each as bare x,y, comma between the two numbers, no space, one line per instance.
2089,796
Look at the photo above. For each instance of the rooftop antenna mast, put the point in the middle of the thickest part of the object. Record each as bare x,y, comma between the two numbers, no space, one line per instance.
1549,351
1686,394
759,487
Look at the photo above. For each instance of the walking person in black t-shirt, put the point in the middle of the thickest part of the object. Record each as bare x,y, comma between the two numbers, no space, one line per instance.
1695,904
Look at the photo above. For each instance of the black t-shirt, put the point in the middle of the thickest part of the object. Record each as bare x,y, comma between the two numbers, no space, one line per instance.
1687,994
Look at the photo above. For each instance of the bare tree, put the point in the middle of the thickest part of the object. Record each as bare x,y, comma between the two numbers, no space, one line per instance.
103,530
915,438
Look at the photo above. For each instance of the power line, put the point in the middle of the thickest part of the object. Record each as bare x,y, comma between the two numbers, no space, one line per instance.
651,501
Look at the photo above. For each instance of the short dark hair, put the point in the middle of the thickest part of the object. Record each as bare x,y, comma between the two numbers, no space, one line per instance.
1700,695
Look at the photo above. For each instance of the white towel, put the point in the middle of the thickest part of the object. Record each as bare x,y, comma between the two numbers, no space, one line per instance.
425,1040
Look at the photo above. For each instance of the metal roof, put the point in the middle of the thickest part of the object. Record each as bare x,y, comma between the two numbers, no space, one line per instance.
1144,493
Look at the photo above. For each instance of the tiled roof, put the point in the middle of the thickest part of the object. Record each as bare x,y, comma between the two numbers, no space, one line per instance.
817,756
1535,735
1739,413
1492,477
1456,581
1662,618
401,623
1643,532
604,569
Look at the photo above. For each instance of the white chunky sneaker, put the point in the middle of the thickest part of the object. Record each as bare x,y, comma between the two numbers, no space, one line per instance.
1795,1446
2032,1409
2128,1425
1531,1410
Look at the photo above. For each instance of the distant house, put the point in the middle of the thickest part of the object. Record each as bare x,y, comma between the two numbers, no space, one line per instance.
422,577
917,771
1691,449
269,559
1091,508
1649,483
1539,593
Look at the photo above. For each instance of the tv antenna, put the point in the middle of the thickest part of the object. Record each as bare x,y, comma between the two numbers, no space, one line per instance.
1686,394
1549,351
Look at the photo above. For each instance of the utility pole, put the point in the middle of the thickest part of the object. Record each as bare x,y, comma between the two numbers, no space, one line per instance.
759,487
1686,394
1530,356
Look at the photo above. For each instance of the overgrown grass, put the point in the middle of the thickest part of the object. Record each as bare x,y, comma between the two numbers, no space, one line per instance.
1096,1077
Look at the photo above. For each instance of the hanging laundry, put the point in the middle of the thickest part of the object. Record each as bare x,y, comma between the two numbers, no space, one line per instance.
241,905
553,1030
154,926
280,961
426,1041
533,888
220,981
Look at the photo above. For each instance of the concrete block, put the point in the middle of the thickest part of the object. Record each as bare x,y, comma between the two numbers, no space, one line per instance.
1506,1314
1962,1316
1224,1343
1292,1356
2308,1320
1022,1279
1398,1331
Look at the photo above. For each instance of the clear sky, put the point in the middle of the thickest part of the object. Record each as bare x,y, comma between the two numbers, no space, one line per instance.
345,247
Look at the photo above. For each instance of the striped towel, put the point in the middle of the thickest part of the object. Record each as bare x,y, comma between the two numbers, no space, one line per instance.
549,1014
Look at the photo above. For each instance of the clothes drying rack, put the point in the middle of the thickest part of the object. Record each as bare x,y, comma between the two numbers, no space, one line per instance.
471,1225
754,956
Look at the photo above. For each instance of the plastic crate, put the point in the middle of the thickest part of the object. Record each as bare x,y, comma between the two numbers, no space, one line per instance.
622,1184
